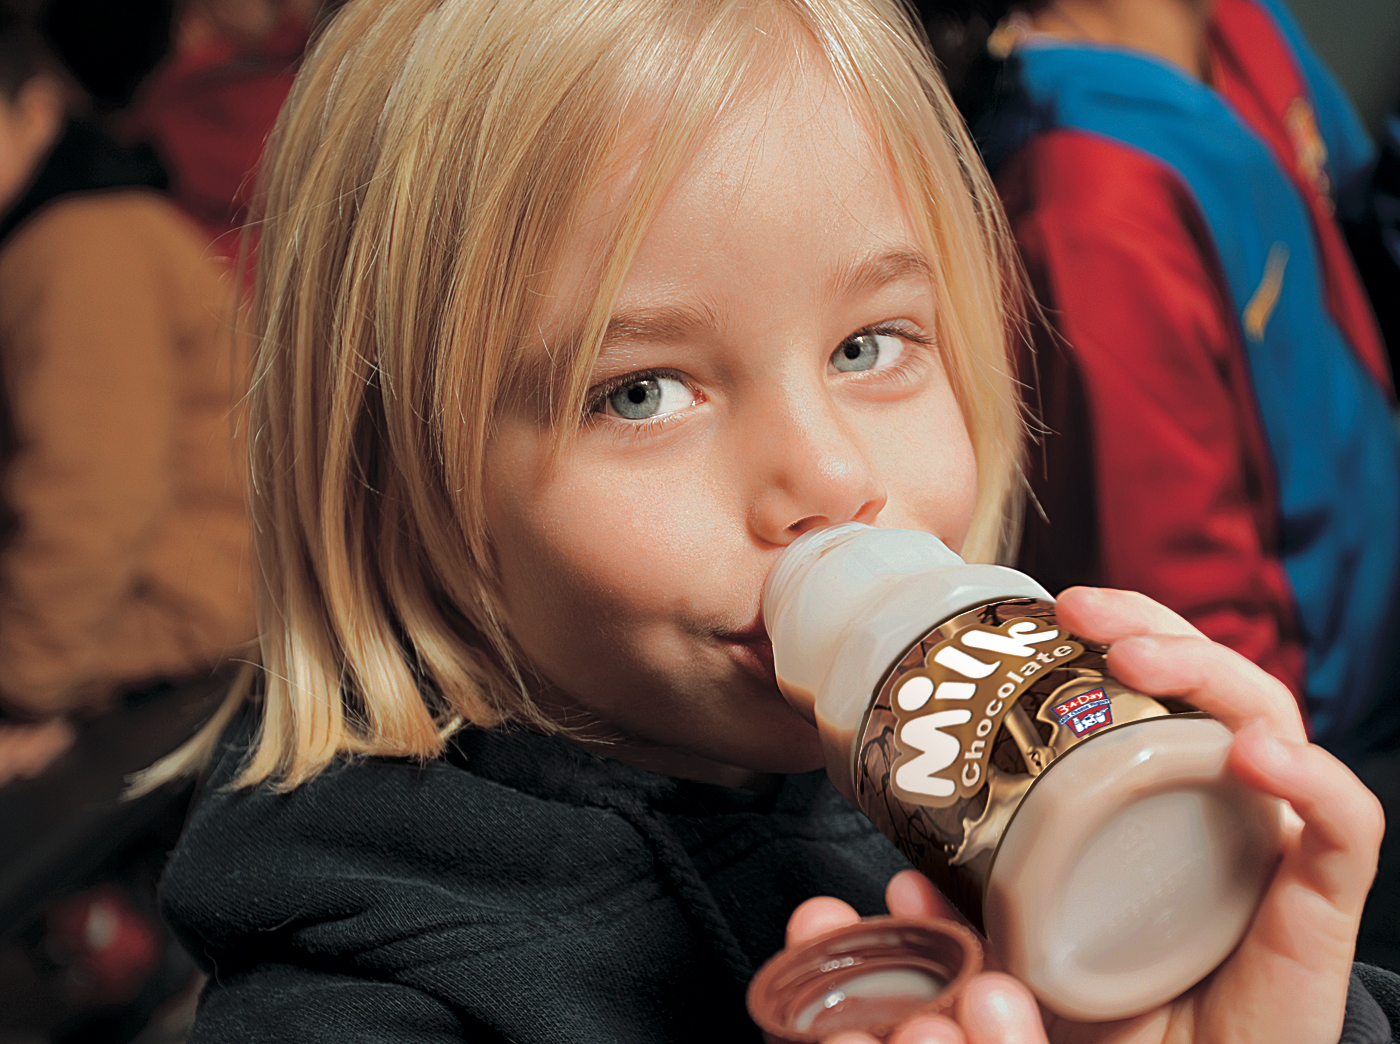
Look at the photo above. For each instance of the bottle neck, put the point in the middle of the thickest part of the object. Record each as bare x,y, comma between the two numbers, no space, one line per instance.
824,582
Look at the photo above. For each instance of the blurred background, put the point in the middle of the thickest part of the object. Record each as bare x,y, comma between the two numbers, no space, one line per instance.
1360,41
130,133
130,167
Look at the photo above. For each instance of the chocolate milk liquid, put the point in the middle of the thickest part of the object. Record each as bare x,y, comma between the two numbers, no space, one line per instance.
1092,832
865,977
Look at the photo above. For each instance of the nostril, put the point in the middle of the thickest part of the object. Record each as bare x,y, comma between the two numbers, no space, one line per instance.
810,522
870,511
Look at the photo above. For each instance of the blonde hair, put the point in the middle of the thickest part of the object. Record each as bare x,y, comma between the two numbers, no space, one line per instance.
417,186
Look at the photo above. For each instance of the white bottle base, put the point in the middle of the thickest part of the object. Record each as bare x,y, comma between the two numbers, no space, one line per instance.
1131,869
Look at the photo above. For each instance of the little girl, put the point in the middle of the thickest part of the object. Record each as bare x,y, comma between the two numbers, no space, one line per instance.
571,315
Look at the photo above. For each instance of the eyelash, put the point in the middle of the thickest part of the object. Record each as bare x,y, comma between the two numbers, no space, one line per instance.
891,330
904,370
599,395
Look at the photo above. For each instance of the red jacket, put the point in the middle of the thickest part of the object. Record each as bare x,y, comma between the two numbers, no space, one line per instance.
208,113
1154,474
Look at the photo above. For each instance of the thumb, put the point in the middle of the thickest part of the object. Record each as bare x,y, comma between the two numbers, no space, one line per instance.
911,894
997,1009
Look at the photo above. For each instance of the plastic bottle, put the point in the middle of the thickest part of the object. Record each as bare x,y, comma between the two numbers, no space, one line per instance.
1090,831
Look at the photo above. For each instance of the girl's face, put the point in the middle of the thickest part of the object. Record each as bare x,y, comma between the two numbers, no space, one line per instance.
771,367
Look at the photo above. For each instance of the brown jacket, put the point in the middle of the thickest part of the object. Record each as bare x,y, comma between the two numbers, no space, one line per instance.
127,560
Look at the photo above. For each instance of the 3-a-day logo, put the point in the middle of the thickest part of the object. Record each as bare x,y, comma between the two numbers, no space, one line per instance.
1088,712
948,710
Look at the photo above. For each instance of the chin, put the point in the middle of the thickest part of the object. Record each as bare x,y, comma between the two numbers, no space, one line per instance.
789,747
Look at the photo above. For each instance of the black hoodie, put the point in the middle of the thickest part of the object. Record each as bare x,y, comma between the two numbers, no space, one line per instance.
520,890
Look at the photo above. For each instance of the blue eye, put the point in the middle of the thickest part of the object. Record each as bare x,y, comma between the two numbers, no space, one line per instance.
648,397
867,351
636,401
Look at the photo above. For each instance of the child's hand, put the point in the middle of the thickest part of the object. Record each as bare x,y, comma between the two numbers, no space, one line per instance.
1287,980
995,1009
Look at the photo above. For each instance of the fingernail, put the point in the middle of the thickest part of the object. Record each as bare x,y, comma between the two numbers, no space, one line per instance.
1000,1009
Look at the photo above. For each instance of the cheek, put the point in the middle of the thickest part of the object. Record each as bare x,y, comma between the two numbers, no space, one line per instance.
591,554
928,466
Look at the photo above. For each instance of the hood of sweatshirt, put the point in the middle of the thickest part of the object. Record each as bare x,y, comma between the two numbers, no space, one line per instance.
520,887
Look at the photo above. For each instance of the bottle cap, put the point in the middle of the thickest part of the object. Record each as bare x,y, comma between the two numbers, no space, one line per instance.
865,977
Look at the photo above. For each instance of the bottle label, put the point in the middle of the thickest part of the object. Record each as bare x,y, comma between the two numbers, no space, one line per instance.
963,724
948,708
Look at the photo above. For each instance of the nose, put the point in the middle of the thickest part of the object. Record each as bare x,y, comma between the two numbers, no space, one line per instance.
811,469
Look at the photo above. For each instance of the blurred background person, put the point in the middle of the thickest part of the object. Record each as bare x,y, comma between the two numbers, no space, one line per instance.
124,555
1211,387
1373,232
122,528
208,107
1215,392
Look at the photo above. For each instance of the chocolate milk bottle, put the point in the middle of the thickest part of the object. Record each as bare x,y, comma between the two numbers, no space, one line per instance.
1090,831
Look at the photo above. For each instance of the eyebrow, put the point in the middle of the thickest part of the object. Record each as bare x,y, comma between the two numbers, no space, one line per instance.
873,271
850,279
658,325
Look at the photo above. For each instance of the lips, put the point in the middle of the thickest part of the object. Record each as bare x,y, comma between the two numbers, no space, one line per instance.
756,657
752,650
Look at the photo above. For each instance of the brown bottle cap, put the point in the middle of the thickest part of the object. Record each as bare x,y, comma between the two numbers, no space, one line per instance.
869,977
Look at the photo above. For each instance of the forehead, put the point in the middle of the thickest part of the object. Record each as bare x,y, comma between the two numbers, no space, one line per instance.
789,171
794,132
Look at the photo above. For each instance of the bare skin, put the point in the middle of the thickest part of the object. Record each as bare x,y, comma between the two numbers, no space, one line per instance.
631,568
29,125
631,564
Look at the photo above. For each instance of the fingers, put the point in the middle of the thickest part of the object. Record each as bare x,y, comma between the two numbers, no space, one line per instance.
994,1009
1157,652
1342,821
911,894
1210,677
997,1009
818,916
1292,967
1107,615
929,1029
